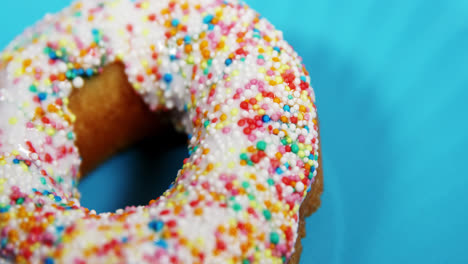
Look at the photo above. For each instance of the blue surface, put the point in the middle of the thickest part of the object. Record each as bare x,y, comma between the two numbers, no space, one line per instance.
392,84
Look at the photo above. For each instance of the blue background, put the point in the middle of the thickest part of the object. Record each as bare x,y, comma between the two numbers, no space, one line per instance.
391,79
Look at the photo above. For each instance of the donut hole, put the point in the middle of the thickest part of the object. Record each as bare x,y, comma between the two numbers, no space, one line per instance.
129,153
136,175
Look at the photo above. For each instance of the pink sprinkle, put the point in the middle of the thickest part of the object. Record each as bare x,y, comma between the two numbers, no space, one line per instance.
226,130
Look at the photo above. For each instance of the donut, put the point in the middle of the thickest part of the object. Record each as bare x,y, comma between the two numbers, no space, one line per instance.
99,75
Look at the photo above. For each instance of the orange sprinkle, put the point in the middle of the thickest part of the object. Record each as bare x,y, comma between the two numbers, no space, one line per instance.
198,211
188,48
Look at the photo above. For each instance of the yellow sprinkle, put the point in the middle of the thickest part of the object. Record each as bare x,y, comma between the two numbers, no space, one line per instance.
15,152
261,111
50,131
13,121
234,111
24,167
235,72
190,60
261,70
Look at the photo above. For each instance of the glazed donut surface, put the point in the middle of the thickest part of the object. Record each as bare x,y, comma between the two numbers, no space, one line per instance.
240,92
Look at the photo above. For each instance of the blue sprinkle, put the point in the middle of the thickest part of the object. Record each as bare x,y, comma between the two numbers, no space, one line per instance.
4,242
173,57
95,31
175,22
208,19
210,27
312,169
156,225
303,78
266,118
277,49
279,170
60,228
42,96
80,72
124,239
286,108
161,243
307,128
34,189
53,55
45,192
311,156
187,39
48,260
89,72
228,62
4,209
15,161
57,198
286,165
167,77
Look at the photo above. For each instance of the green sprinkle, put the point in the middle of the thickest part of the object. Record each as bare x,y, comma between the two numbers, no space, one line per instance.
284,141
33,88
206,123
267,214
244,156
245,261
70,135
43,180
294,148
274,238
237,207
245,184
271,182
261,145
20,200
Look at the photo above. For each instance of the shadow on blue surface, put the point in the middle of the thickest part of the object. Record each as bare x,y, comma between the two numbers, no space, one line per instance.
137,175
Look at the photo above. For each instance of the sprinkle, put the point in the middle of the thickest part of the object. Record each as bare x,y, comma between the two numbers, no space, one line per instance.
78,82
274,238
168,78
